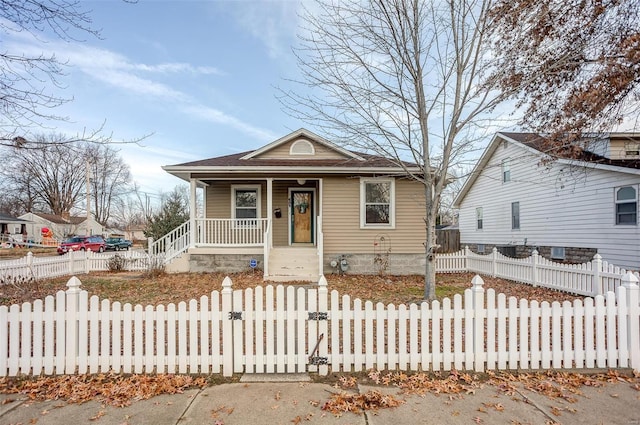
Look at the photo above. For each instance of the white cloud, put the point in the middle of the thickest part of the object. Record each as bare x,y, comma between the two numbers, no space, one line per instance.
273,23
219,117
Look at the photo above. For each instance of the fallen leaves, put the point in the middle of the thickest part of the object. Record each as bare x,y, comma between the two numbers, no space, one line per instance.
358,403
110,388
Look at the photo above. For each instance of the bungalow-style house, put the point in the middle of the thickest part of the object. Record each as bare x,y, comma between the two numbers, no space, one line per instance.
60,226
297,208
518,199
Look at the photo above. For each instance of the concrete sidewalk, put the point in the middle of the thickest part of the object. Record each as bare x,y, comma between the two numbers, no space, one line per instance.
301,403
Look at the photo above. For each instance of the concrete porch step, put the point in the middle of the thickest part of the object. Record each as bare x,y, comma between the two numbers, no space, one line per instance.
293,263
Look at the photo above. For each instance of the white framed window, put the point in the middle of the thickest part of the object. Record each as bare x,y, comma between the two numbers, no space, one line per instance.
480,248
377,203
626,202
479,222
515,215
245,203
557,252
506,170
632,149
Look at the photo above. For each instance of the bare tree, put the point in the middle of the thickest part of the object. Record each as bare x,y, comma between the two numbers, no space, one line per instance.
110,178
402,78
31,84
53,177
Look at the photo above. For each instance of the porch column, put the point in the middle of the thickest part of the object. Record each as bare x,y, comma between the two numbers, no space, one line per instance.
270,206
192,213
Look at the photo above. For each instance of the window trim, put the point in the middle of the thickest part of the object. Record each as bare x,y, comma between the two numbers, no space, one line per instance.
257,188
515,219
308,149
616,202
479,218
506,170
559,251
392,203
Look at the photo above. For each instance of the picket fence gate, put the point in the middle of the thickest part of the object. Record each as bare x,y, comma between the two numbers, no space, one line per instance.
306,329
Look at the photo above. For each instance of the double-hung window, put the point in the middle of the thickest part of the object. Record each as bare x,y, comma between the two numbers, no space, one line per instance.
377,203
515,215
626,199
479,221
506,171
245,204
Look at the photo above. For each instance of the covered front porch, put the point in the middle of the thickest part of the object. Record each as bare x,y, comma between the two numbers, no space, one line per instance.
273,224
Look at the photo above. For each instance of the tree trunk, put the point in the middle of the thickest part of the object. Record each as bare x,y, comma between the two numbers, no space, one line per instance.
430,263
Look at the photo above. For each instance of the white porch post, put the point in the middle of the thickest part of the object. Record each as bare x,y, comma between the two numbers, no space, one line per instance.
192,213
267,241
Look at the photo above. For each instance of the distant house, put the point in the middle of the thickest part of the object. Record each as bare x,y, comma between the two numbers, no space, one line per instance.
567,209
12,228
300,207
60,225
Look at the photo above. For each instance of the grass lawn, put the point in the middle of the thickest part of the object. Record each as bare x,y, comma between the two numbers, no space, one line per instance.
137,288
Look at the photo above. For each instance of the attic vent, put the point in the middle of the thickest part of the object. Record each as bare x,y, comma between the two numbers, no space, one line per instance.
302,147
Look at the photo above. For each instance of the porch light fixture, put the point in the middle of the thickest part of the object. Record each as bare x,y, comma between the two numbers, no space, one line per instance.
301,181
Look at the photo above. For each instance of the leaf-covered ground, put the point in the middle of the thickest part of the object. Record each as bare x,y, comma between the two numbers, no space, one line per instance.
136,288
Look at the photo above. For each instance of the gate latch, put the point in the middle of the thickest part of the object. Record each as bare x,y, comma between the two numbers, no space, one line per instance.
320,315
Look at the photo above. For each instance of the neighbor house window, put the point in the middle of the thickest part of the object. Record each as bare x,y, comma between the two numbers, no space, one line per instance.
626,205
377,203
515,215
245,202
480,248
479,218
557,252
506,170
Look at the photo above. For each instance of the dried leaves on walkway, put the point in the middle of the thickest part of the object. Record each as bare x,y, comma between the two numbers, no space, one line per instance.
116,390
358,403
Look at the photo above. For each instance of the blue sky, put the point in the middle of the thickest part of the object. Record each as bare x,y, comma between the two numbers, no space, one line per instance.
199,76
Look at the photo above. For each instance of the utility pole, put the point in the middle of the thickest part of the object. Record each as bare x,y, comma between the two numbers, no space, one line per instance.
89,174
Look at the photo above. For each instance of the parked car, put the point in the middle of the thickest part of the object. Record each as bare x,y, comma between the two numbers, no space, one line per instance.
117,244
82,243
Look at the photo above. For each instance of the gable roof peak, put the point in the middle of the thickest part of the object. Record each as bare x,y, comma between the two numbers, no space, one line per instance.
302,132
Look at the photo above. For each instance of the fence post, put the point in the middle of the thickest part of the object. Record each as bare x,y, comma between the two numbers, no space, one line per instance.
494,262
70,258
30,264
477,291
227,327
596,268
465,260
149,245
87,259
323,325
71,322
534,265
630,285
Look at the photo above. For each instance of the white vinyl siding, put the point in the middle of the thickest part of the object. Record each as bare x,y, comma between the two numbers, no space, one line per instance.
626,205
560,205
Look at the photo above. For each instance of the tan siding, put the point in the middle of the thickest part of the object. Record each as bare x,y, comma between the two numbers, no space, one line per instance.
341,218
280,225
219,198
282,152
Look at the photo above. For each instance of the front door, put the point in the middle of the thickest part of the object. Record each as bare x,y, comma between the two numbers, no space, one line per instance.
302,216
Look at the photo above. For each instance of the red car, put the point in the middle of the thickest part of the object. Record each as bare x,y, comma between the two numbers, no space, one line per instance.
82,243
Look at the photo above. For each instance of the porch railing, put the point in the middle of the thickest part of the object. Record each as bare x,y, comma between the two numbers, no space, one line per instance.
217,232
173,243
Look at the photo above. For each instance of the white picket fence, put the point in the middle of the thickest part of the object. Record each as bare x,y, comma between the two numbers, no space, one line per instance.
594,278
588,279
296,329
31,267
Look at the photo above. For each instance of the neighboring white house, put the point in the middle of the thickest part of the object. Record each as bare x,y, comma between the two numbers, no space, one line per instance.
60,225
567,209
